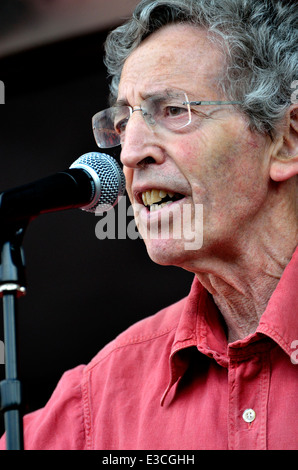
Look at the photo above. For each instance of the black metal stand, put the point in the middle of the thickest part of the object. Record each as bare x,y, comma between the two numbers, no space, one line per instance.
12,286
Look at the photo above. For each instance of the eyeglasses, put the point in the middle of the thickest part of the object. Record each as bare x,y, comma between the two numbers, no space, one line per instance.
171,110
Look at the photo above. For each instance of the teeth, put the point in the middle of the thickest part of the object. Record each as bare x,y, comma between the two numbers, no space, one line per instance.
150,198
156,207
155,197
144,199
162,193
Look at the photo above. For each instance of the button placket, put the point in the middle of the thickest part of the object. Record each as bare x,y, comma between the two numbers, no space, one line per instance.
249,378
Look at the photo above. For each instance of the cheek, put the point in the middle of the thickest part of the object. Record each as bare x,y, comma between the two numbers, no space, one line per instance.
197,161
226,170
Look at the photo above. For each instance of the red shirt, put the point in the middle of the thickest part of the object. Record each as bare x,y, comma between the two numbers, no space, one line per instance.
172,381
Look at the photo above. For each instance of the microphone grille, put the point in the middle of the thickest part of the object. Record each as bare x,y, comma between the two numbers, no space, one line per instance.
108,177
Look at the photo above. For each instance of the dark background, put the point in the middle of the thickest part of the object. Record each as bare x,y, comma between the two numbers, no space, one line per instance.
81,291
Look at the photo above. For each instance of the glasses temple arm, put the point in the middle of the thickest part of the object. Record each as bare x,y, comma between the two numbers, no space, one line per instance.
198,103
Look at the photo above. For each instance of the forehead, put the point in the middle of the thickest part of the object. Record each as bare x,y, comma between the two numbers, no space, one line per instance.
176,56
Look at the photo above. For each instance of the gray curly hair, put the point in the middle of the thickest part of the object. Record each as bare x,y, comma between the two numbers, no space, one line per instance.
258,38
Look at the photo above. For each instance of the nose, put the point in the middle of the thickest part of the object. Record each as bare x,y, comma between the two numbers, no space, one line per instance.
141,144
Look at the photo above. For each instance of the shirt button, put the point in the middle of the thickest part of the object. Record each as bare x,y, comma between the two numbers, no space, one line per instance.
249,415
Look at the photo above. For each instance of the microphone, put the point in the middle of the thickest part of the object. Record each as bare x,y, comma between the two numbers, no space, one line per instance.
93,183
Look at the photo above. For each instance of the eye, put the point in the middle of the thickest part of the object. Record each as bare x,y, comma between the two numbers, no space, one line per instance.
175,111
120,126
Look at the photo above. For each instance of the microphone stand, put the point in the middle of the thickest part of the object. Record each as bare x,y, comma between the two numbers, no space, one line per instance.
12,286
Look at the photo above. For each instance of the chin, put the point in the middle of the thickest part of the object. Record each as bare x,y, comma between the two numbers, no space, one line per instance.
169,252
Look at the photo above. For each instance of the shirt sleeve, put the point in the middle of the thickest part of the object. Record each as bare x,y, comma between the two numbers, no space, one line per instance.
60,424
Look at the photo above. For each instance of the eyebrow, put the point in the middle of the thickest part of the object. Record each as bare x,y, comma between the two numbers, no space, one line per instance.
123,102
157,93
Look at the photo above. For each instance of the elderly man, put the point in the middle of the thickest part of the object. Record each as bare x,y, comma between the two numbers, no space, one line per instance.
201,105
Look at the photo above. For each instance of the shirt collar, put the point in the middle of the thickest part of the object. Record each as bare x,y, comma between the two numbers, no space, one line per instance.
201,324
280,319
191,331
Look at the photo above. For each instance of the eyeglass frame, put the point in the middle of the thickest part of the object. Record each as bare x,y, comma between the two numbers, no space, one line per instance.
139,108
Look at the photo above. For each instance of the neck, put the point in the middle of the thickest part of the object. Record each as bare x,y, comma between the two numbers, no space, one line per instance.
242,291
243,279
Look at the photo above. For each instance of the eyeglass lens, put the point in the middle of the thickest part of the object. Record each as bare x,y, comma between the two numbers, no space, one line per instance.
168,111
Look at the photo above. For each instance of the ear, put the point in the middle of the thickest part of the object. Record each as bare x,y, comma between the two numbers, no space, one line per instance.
284,163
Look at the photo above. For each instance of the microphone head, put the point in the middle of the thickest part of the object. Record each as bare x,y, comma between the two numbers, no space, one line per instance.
108,178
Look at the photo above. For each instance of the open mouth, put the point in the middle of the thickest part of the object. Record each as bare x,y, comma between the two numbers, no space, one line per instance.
156,199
